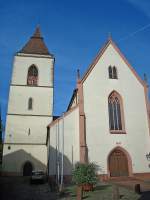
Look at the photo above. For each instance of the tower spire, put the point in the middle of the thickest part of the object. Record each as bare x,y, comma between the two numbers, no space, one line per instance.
37,33
36,44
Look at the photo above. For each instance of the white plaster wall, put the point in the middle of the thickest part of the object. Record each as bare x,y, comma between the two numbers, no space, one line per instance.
44,66
42,100
71,142
15,158
97,88
17,126
17,129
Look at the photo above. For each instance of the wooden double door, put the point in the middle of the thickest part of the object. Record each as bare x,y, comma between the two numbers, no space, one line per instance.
118,164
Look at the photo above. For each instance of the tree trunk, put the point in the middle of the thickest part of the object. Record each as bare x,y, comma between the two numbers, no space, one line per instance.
79,192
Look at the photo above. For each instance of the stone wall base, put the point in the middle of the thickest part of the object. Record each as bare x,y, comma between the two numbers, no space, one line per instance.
142,176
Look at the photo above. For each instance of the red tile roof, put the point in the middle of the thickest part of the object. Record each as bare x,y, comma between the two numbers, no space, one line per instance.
35,45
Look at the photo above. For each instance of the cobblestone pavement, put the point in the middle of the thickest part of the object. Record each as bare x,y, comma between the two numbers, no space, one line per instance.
19,188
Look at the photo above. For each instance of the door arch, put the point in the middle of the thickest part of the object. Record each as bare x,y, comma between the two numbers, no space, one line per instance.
27,169
118,163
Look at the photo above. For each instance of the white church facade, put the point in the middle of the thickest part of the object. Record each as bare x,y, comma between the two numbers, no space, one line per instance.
107,120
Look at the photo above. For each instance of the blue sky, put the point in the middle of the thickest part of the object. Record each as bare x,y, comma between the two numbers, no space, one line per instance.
74,31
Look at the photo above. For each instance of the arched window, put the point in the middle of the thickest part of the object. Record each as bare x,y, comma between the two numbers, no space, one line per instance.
112,71
30,104
115,72
32,78
115,112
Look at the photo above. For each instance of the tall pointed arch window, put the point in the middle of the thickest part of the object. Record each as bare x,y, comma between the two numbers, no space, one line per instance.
115,73
30,104
32,78
112,71
116,117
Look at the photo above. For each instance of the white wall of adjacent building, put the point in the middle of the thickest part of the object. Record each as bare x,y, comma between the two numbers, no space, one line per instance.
70,132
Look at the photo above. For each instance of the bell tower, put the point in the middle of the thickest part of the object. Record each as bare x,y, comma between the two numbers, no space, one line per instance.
30,108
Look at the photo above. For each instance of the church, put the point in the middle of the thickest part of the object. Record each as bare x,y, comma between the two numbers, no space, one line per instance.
107,120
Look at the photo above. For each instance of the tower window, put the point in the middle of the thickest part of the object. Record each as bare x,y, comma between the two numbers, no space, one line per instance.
30,104
115,108
112,71
32,78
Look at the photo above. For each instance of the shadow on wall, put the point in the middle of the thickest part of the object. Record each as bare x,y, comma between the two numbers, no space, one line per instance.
17,162
20,162
55,164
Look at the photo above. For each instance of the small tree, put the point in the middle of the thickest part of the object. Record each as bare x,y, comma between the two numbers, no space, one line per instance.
85,174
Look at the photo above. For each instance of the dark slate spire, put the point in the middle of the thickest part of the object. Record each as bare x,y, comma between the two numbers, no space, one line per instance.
35,45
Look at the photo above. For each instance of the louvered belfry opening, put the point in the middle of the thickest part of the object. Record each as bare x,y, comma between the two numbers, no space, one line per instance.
32,78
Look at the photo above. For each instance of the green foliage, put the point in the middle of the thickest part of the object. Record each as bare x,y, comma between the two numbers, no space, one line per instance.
84,173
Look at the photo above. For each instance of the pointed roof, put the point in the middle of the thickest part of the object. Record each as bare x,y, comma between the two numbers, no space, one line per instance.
101,52
35,45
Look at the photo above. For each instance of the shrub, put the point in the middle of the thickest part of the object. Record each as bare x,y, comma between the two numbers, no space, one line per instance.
84,174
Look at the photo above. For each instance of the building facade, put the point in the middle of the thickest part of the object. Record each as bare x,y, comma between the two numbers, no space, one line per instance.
107,121
30,109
